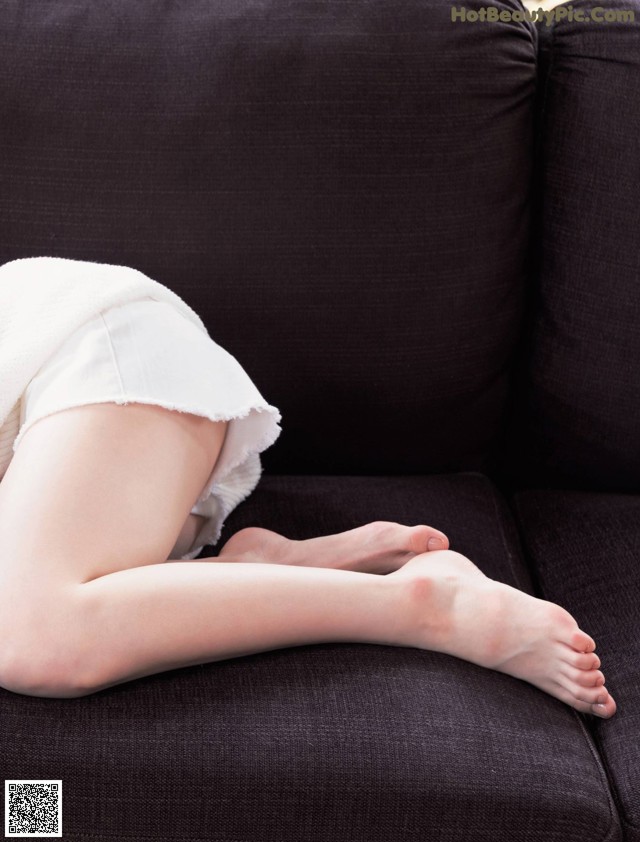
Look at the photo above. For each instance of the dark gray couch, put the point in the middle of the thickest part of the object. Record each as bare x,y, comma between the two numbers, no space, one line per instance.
422,240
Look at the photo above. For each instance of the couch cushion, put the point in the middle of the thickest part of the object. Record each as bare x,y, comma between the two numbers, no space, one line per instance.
585,547
337,741
340,189
578,403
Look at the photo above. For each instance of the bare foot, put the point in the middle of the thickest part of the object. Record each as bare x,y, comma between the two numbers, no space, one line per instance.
460,611
377,547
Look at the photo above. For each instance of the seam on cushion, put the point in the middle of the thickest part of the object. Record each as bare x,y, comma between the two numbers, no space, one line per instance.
613,799
617,800
608,784
533,32
538,145
527,555
503,536
543,104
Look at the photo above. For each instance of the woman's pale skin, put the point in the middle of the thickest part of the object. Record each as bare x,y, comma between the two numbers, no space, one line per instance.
95,512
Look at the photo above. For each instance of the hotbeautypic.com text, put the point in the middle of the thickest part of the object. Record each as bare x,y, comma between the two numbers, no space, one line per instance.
460,14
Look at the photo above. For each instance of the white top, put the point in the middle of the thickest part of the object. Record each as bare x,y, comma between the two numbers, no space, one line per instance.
46,301
43,300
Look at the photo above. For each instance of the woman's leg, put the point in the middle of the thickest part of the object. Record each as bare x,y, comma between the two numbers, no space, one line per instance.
149,619
188,534
92,502
87,600
99,488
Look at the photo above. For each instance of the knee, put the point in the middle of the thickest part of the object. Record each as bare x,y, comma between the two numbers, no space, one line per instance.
42,671
44,659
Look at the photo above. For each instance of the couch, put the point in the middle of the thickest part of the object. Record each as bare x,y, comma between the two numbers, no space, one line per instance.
421,237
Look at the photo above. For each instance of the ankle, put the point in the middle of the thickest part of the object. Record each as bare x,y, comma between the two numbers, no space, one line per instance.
430,596
394,598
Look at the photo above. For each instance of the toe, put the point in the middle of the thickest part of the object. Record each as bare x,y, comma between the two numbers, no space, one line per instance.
579,660
561,692
590,695
584,661
423,539
584,707
606,710
573,681
582,642
585,678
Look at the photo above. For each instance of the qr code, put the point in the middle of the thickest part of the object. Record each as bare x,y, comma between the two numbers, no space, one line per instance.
32,809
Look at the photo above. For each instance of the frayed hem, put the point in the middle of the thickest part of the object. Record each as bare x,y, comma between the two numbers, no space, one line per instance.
269,437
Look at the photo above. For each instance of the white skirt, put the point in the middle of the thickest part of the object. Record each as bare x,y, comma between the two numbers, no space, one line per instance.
146,351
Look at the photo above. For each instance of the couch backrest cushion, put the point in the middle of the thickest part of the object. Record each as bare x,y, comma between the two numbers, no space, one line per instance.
340,190
576,418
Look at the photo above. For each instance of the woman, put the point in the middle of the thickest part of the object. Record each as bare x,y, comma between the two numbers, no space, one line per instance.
129,414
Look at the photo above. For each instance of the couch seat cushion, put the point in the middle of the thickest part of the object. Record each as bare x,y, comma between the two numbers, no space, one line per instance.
340,741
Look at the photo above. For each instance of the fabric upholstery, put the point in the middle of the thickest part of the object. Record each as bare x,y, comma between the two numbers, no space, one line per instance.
346,742
340,190
358,199
585,547
577,384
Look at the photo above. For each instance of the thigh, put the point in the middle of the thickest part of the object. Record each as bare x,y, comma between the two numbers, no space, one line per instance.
99,488
188,534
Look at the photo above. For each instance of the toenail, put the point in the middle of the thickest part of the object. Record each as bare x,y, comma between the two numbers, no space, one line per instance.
435,544
599,709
